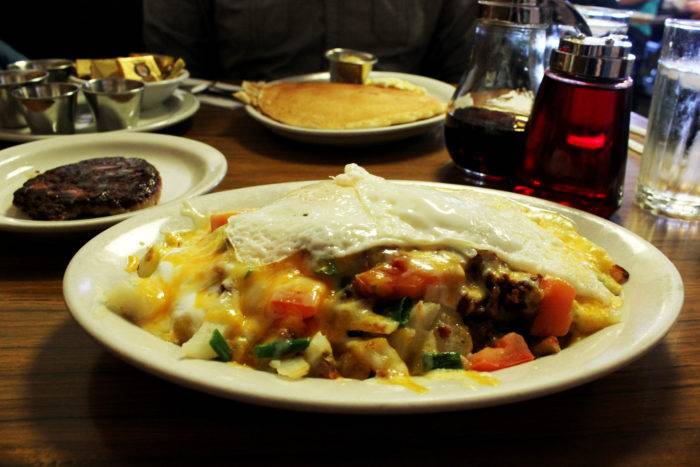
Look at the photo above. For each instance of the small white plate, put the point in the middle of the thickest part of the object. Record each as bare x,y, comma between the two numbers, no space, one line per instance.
178,107
653,299
438,89
187,168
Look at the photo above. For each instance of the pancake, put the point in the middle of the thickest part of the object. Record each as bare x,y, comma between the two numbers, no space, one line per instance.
340,106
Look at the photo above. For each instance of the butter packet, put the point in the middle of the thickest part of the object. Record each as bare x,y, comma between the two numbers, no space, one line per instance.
104,68
83,68
169,66
175,69
139,68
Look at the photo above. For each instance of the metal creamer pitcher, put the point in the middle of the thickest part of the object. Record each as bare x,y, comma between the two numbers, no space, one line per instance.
485,125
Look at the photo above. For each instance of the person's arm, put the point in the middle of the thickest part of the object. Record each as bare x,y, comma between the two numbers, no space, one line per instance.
184,29
451,43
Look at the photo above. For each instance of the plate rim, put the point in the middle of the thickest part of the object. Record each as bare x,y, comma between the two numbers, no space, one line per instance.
673,305
209,155
190,106
352,133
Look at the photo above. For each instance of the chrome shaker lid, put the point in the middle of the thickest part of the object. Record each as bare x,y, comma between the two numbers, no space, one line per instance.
522,12
606,57
535,13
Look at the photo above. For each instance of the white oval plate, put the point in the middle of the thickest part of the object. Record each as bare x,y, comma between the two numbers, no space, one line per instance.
178,107
187,168
438,89
653,299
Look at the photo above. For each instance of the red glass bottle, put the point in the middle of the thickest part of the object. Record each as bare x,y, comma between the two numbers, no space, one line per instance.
576,143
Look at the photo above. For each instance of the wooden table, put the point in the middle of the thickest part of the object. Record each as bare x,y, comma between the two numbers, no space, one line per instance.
65,399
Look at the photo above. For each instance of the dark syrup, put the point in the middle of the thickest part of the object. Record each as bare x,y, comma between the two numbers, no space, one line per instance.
487,145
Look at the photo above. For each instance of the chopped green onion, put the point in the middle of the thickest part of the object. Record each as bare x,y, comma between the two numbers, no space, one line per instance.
398,311
220,346
281,348
437,360
327,268
248,272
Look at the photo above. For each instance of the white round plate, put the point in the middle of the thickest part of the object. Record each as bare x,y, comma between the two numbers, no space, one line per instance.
187,168
653,299
178,107
438,89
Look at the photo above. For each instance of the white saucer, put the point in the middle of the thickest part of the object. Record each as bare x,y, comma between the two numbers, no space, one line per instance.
187,168
180,106
438,89
653,298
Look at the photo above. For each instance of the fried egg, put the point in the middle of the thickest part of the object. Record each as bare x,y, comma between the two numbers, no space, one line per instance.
356,211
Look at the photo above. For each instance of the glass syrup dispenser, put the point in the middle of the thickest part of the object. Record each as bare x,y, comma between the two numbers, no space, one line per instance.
485,124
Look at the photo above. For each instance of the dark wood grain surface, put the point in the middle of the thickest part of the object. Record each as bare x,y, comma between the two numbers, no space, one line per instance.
63,399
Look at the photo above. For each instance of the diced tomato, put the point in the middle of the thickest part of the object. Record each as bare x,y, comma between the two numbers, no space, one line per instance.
509,350
300,296
394,280
555,316
219,219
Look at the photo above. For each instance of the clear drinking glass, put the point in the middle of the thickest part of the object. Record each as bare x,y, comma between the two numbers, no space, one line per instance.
605,21
669,177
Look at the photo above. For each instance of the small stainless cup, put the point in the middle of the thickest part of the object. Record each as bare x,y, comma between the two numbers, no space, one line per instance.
115,102
350,66
59,69
10,113
48,108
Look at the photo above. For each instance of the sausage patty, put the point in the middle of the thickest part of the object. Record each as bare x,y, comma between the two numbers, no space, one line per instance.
90,188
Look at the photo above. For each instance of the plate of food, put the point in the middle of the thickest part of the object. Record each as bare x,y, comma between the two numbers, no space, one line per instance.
359,294
311,109
87,182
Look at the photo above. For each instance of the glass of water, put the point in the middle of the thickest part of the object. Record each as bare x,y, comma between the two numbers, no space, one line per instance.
604,21
669,177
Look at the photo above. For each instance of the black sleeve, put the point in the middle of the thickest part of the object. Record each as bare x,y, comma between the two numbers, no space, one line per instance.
182,28
451,41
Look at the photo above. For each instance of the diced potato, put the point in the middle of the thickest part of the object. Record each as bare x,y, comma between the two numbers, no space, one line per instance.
318,348
451,335
198,345
320,356
351,367
379,356
423,315
402,341
294,368
136,303
429,345
186,317
355,315
411,340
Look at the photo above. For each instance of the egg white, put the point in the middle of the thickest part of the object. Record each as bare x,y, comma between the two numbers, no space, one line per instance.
356,211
